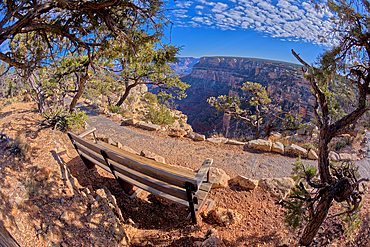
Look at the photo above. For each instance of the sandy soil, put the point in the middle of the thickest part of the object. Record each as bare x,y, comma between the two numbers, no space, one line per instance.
33,222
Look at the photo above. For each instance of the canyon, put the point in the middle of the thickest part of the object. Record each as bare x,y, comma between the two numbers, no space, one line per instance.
213,76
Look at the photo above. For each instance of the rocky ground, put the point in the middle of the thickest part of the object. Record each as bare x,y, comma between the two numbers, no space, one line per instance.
49,198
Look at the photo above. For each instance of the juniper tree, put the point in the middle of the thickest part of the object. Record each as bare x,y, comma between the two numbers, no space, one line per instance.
346,63
265,116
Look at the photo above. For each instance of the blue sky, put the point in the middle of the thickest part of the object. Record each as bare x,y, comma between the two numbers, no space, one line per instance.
249,28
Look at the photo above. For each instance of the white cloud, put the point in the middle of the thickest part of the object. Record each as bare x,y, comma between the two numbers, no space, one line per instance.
286,19
184,5
220,7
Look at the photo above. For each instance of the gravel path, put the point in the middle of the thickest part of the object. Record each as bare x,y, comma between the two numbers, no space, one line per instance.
185,152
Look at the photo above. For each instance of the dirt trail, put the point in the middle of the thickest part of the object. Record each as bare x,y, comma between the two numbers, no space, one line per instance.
186,152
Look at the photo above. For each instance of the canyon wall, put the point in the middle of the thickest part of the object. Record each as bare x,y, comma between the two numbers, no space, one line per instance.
213,76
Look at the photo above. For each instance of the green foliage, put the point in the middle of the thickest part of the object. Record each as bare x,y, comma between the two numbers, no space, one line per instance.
161,116
32,188
10,101
64,120
308,146
114,109
353,220
343,142
150,98
298,173
295,214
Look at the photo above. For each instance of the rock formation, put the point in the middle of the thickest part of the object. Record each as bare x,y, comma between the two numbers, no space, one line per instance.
213,76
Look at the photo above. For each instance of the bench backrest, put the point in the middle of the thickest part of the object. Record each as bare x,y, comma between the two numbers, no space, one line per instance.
126,165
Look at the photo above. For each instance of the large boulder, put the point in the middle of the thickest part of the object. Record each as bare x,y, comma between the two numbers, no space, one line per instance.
221,178
295,150
245,182
259,144
277,147
196,136
278,188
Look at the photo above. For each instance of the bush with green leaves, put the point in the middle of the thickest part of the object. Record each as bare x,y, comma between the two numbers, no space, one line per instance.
60,118
161,116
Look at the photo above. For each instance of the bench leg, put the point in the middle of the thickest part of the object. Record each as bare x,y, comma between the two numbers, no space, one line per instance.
189,194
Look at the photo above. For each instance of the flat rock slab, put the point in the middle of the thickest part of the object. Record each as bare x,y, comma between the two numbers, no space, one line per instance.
233,142
195,136
148,126
218,140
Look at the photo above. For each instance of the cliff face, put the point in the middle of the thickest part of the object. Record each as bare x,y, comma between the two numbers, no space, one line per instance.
213,76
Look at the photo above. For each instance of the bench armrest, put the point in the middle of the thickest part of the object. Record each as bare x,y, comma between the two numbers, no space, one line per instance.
203,172
87,133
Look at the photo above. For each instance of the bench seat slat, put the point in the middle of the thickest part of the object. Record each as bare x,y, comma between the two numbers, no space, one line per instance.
143,167
85,143
155,164
153,190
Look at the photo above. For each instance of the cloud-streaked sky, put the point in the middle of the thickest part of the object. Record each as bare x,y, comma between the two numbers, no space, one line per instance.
249,28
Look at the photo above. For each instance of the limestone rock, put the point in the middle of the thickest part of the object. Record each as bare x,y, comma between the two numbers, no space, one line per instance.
131,121
245,182
259,144
153,156
43,174
233,142
333,156
295,150
347,157
225,217
148,126
217,139
221,178
177,133
312,155
212,239
196,136
277,147
277,187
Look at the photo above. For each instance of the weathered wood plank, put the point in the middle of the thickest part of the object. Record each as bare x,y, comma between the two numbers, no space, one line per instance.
6,240
153,191
202,173
93,157
149,181
87,144
165,167
142,167
87,132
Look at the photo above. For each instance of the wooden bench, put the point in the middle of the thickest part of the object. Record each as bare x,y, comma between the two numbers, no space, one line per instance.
173,183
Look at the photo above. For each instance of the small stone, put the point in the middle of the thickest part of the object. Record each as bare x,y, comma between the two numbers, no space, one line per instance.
131,121
195,136
177,133
312,155
218,140
43,174
221,178
148,126
153,156
226,217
